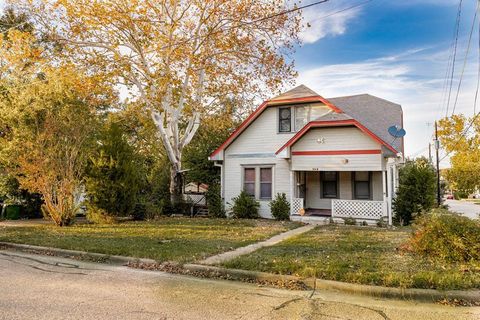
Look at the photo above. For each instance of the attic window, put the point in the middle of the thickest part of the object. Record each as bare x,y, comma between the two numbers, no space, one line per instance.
306,113
285,119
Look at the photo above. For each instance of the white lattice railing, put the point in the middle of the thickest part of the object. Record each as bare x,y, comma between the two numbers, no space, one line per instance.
198,199
296,205
361,209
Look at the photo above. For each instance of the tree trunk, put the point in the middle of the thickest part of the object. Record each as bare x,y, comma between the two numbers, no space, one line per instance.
176,186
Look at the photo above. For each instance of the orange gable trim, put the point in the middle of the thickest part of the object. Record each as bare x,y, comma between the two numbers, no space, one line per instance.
262,107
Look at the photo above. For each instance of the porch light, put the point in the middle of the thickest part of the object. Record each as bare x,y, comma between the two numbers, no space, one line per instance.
344,161
321,140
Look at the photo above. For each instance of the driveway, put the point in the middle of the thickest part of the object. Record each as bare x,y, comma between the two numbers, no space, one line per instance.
466,208
42,287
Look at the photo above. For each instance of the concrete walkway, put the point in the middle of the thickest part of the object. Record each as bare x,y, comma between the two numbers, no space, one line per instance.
255,246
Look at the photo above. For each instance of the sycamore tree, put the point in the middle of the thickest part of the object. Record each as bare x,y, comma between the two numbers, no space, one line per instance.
178,58
462,141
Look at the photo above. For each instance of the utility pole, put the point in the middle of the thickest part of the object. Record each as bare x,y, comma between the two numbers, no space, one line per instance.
430,152
437,147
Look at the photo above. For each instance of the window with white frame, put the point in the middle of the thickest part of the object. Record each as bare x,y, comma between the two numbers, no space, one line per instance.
285,119
265,183
362,185
306,113
249,181
258,182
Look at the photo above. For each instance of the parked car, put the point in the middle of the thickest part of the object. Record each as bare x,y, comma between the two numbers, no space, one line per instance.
449,197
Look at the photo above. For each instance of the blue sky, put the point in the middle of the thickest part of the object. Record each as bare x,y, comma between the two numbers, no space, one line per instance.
397,50
394,49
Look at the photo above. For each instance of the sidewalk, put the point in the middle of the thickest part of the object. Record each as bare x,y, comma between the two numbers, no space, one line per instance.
226,256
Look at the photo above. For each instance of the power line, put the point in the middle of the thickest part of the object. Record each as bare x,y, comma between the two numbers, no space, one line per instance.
342,10
465,59
457,29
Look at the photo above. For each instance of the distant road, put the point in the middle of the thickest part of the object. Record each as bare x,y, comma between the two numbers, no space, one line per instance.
466,208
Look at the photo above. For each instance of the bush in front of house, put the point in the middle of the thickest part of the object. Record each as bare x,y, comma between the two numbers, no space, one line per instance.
214,201
416,191
446,236
350,221
245,207
280,207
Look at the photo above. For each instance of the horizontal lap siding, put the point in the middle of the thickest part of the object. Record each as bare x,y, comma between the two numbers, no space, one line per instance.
260,138
367,162
337,139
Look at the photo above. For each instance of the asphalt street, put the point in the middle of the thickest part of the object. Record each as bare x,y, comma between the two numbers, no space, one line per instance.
468,209
43,287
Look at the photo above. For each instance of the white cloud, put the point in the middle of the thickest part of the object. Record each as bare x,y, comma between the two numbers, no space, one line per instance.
326,20
414,79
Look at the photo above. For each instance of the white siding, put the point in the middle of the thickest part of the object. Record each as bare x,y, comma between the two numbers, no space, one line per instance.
257,146
335,139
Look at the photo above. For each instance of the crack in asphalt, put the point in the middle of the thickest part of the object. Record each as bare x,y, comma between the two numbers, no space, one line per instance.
11,258
56,264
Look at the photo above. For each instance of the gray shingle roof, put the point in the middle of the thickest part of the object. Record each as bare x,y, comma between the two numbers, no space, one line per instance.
298,92
374,113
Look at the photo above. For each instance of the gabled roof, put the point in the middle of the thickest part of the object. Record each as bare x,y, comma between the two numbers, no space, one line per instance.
280,100
324,122
375,113
298,92
372,114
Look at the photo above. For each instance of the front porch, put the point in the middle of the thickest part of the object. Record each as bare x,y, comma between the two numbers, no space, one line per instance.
319,196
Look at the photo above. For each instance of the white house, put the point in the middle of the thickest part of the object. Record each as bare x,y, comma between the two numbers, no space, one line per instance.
331,157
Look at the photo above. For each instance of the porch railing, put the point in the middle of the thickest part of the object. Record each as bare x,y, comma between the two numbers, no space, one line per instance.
296,205
197,199
361,209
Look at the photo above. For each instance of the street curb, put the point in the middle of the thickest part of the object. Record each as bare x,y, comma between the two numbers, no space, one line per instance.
95,257
426,295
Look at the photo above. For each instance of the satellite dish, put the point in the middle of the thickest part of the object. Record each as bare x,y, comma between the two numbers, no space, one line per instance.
396,131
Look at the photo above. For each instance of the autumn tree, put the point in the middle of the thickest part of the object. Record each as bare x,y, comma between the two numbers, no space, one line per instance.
47,114
460,137
178,58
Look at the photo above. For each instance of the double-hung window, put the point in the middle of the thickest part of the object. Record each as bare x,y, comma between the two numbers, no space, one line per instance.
361,185
258,182
329,180
249,181
265,183
285,119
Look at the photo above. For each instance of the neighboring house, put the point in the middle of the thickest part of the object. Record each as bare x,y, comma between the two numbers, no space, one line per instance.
331,157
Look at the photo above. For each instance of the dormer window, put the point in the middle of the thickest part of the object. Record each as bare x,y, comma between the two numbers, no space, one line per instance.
285,119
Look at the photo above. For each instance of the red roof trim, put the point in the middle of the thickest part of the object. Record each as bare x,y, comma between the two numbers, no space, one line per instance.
334,152
262,107
314,124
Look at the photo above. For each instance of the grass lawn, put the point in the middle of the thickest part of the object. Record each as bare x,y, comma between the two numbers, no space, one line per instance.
168,239
358,255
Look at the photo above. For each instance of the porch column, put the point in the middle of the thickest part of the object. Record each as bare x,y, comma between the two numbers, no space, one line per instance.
292,189
390,190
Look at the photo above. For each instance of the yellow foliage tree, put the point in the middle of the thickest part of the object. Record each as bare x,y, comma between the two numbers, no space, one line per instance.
179,58
462,141
47,115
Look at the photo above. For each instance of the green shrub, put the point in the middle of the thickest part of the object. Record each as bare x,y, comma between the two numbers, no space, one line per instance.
350,221
280,207
446,236
245,207
214,201
416,192
382,222
99,216
113,176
